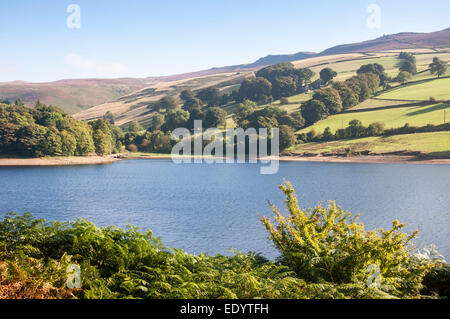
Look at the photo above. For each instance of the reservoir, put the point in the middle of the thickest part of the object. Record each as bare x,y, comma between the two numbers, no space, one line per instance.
203,208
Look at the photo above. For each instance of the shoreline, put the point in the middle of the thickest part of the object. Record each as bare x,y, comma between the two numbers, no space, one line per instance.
63,161
100,160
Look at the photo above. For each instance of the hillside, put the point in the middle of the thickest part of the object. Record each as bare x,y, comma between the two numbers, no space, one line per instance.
77,95
71,95
423,100
134,106
405,40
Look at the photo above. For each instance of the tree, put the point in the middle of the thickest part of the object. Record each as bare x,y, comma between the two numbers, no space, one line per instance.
210,96
355,129
215,117
245,109
298,120
191,104
403,76
294,120
109,116
409,67
258,89
187,95
157,122
175,119
409,63
327,74
349,97
135,127
103,143
327,135
363,85
313,111
68,143
283,86
287,137
304,77
267,122
84,137
168,103
271,73
438,67
330,98
195,115
375,129
376,69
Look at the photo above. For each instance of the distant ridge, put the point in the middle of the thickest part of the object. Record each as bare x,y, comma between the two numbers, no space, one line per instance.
404,40
275,59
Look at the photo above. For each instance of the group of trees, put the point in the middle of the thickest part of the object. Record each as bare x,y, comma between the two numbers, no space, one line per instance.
204,98
48,131
353,130
343,95
356,129
157,137
408,67
211,117
275,82
248,116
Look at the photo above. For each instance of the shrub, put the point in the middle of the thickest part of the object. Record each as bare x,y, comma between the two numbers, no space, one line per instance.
324,244
284,101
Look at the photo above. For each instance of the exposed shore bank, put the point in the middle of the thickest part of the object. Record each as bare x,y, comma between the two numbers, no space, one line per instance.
97,160
56,161
407,159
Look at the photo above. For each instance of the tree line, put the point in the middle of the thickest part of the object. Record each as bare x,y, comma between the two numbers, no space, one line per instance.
356,129
47,130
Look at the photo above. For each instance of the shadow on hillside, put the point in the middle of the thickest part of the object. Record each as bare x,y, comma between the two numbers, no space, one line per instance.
443,154
432,108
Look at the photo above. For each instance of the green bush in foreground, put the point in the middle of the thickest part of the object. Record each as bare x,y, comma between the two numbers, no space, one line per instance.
324,255
324,244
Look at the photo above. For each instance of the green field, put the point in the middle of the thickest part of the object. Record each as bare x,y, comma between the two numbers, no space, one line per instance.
390,61
375,103
432,144
436,88
392,118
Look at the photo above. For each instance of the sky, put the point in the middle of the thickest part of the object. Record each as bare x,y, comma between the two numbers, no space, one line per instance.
45,40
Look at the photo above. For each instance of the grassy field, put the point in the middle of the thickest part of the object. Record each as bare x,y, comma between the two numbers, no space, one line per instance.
435,144
374,103
436,88
392,118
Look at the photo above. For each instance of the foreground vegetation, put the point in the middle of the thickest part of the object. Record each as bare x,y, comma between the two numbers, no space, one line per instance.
325,253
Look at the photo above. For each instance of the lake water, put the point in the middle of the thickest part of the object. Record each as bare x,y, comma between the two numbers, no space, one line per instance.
211,208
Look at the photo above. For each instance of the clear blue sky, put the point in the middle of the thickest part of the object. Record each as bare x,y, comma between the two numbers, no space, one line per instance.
140,38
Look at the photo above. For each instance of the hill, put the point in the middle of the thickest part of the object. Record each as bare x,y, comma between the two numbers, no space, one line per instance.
71,95
134,106
405,40
77,95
